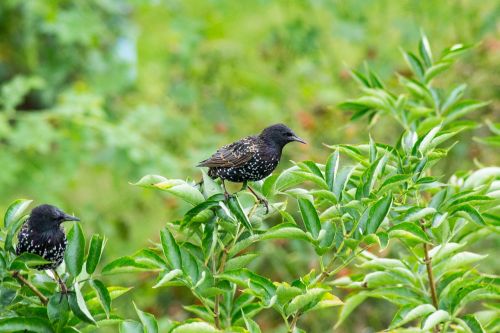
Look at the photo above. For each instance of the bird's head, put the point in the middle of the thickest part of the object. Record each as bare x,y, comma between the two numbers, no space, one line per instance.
46,217
280,135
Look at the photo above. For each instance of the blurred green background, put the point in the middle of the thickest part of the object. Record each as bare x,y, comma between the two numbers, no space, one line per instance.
95,94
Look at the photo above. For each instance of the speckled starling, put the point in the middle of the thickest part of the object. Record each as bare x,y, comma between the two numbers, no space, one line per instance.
250,159
43,235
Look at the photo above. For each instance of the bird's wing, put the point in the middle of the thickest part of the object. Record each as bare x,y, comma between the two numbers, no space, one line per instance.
232,155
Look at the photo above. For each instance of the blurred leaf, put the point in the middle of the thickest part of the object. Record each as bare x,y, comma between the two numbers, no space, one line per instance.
102,295
285,231
408,230
240,261
167,277
75,250
349,305
414,64
341,180
131,326
309,217
195,327
170,248
26,260
15,211
32,324
251,325
411,313
435,318
78,306
473,324
148,321
472,213
378,212
235,208
58,311
424,49
309,299
95,251
331,169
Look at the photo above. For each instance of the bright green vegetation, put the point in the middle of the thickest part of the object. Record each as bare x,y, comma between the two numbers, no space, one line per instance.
95,95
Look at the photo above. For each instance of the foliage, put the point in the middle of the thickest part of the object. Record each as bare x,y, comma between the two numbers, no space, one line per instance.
349,212
94,94
30,300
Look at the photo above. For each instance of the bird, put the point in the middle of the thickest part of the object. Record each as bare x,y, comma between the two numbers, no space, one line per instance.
42,234
250,159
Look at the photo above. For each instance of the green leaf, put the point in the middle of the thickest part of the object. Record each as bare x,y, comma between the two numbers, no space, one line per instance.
177,187
15,211
285,292
408,230
473,324
190,266
31,324
462,108
412,314
424,49
58,311
11,234
309,299
26,260
435,318
78,306
148,321
235,208
285,231
209,240
341,181
310,217
95,251
196,210
378,212
75,250
331,169
414,64
436,69
423,146
462,259
167,277
131,326
210,187
251,325
126,264
349,305
170,248
195,327
419,214
102,294
240,261
472,214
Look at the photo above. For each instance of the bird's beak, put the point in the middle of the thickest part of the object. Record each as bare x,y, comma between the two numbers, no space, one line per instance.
68,217
296,138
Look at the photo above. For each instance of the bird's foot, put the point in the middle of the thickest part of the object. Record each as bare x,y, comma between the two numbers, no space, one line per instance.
63,289
227,196
264,202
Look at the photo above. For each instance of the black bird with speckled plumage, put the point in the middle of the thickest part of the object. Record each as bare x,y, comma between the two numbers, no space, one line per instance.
252,158
43,235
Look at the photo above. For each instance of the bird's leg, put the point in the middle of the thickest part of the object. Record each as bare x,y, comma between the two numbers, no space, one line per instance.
260,199
226,193
244,186
62,285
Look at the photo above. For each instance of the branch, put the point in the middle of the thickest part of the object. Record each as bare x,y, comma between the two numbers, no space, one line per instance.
430,274
34,289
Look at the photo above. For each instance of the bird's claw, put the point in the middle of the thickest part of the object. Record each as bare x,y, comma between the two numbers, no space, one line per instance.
265,203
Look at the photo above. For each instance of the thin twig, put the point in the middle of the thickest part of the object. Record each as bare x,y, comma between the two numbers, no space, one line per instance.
34,289
430,274
220,270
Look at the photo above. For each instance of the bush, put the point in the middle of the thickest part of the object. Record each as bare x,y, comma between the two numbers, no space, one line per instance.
378,205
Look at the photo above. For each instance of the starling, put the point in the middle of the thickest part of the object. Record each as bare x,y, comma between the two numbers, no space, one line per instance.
250,159
42,234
